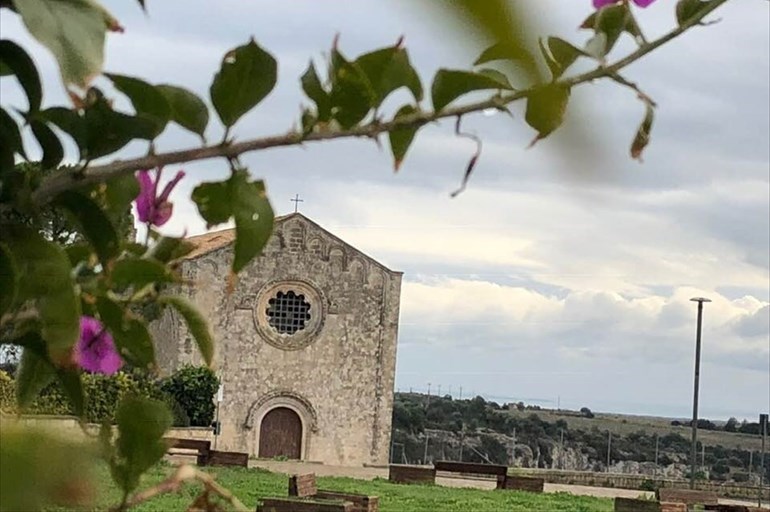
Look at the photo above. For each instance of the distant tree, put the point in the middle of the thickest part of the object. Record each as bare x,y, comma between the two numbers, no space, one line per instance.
731,425
586,412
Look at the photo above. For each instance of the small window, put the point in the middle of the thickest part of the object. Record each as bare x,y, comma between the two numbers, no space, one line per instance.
288,312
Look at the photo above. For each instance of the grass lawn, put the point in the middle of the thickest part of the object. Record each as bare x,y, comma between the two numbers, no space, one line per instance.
249,485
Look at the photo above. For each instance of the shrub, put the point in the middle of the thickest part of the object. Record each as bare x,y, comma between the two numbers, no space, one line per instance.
193,387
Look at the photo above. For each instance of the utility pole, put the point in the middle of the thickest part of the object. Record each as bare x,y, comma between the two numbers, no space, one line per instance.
657,443
763,431
513,448
561,449
425,453
702,455
462,442
751,463
609,449
461,392
693,462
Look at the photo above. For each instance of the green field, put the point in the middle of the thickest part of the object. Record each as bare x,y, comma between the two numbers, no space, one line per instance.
249,485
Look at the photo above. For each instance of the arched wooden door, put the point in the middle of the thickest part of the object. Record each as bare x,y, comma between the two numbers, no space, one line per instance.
280,434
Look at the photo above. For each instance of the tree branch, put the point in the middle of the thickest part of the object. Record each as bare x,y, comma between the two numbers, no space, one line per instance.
174,482
58,183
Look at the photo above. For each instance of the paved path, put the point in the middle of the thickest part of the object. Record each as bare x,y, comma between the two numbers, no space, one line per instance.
367,473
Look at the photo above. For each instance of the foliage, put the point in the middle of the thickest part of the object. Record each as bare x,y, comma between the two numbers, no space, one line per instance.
57,270
102,395
486,431
193,388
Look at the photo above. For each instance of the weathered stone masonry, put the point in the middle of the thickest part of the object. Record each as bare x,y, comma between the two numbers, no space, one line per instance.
306,344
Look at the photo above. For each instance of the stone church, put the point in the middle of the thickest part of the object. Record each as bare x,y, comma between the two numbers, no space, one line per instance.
305,344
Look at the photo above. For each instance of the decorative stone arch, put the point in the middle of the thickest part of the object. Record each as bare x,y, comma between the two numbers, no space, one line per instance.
290,400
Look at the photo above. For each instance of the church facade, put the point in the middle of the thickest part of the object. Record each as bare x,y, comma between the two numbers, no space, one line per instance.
305,344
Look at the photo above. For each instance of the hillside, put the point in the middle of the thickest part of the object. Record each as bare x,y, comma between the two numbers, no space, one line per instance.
432,428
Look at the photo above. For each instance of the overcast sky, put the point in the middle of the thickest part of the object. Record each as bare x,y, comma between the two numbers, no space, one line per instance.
564,272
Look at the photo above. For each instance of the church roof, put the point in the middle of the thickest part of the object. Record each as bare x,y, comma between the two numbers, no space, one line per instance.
214,240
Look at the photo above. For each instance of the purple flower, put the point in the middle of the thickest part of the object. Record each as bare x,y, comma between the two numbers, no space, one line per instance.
153,208
598,4
95,350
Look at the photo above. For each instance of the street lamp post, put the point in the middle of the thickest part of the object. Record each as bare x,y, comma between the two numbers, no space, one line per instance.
693,448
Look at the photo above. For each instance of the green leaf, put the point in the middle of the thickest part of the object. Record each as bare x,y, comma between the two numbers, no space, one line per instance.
449,85
247,76
139,272
253,218
9,279
44,277
14,58
611,21
688,9
168,249
401,139
196,324
33,375
389,69
149,102
92,222
314,90
642,137
53,152
141,425
500,51
352,94
41,471
132,339
68,121
70,383
10,141
187,109
243,200
107,131
78,252
73,30
119,193
559,55
496,76
545,111
213,201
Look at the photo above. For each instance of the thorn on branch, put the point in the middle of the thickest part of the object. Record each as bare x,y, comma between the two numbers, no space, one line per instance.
472,162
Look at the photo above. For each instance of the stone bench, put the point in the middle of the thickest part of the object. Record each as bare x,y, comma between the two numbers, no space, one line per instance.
521,483
303,505
636,505
405,474
733,508
218,458
304,486
201,449
687,496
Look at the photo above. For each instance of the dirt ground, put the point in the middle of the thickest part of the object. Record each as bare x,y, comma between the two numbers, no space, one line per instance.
368,473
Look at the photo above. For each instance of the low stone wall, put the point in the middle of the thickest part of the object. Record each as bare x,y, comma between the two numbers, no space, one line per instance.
68,427
624,481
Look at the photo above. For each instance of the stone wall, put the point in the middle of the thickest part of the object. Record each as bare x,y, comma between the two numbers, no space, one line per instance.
337,373
624,481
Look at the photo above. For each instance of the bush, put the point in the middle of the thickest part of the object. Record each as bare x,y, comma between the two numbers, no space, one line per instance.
648,485
194,387
102,395
7,393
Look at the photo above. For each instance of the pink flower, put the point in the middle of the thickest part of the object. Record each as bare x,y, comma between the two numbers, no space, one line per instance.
95,350
598,4
153,208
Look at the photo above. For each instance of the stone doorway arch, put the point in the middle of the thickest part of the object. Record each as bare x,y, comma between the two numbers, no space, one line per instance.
280,434
274,401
